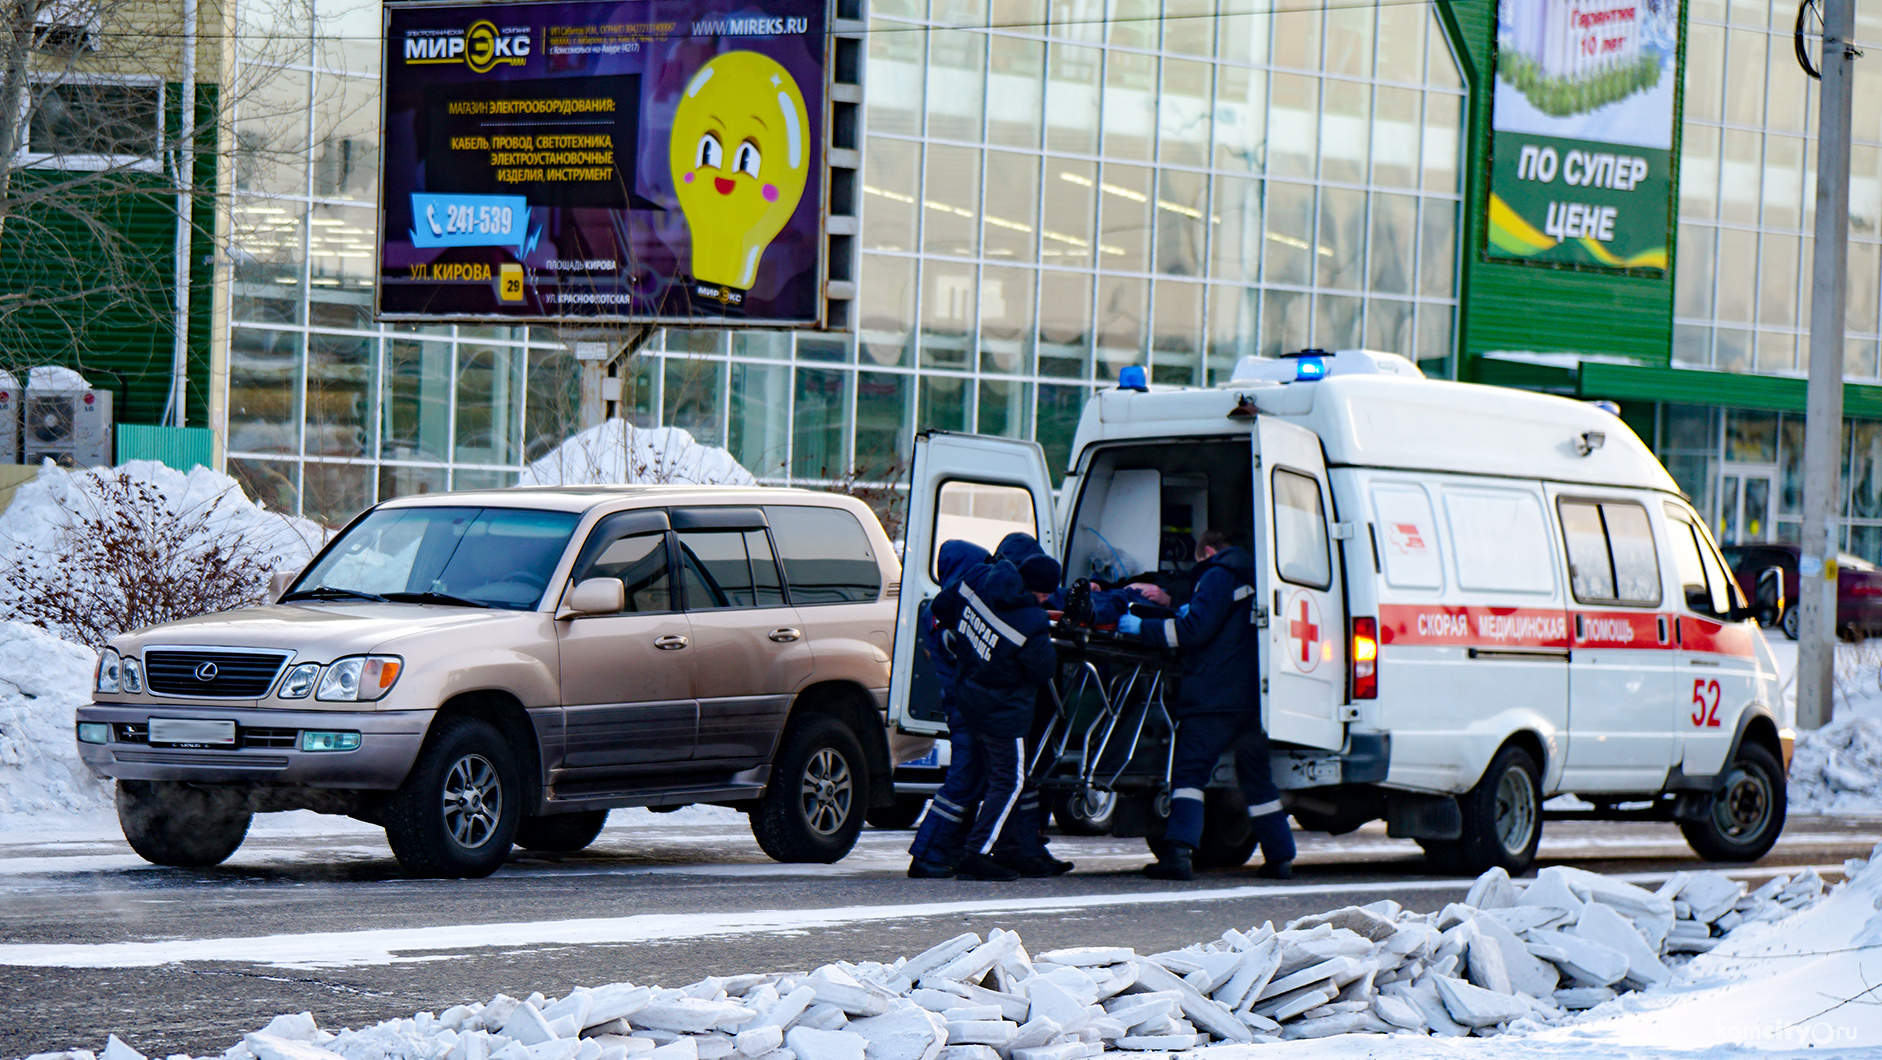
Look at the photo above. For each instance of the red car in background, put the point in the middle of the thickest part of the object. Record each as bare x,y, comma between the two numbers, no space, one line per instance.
1858,586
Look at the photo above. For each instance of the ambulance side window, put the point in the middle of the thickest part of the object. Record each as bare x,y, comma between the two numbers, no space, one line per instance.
1407,536
1700,594
1611,556
1501,540
1300,531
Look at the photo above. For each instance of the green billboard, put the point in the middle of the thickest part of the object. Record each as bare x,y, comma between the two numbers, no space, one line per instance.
1582,132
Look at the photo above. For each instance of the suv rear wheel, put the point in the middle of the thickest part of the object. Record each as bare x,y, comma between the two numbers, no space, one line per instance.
171,823
456,813
560,833
812,811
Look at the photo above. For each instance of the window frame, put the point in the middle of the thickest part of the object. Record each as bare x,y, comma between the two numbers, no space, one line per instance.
1274,527
679,554
26,158
1600,505
934,522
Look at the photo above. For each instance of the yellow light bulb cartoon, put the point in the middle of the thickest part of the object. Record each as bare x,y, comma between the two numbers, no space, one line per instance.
740,156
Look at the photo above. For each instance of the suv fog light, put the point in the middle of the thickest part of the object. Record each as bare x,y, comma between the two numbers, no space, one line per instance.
94,732
329,741
299,683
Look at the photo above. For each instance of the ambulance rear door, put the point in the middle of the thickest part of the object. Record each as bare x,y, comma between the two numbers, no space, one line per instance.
972,487
1298,590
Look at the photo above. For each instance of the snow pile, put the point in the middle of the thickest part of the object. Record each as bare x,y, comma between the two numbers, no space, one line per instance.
1510,958
43,680
617,451
1838,769
58,498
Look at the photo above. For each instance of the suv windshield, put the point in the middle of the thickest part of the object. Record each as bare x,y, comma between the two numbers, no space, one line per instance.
469,557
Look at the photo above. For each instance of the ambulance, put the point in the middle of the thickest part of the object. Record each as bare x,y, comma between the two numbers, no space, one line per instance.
1473,600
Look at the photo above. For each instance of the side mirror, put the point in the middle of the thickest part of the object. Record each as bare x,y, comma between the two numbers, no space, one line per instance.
1768,600
278,584
594,596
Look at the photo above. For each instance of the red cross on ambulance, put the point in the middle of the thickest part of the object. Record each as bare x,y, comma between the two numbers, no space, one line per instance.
1303,628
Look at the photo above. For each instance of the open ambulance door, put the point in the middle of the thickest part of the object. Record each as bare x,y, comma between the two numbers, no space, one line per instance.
969,486
1298,591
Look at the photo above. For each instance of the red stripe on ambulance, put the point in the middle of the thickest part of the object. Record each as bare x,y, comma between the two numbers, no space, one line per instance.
1477,627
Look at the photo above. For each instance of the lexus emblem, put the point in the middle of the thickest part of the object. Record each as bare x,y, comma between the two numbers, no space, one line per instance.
206,671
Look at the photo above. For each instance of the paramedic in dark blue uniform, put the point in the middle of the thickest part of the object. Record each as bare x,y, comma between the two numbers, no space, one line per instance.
1218,708
940,840
1002,647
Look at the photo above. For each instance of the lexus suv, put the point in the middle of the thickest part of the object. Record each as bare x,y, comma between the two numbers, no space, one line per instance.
475,670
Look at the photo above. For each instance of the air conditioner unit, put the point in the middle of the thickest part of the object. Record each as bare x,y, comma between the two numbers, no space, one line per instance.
72,428
9,419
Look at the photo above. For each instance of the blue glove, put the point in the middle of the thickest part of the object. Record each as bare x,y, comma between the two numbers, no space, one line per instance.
1129,623
1183,611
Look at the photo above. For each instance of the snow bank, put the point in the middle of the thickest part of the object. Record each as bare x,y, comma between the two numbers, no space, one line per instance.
1838,769
617,451
1512,959
43,680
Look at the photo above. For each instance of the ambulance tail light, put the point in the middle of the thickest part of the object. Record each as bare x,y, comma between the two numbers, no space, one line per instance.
1365,656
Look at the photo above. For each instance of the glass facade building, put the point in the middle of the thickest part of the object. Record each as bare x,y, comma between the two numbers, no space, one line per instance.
1050,193
1053,190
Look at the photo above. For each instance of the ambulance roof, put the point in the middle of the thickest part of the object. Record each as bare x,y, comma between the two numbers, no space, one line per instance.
1393,421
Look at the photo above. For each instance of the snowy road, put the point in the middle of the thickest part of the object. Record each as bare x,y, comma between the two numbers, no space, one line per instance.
313,914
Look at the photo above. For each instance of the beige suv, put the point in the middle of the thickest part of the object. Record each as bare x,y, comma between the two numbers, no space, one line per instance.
472,670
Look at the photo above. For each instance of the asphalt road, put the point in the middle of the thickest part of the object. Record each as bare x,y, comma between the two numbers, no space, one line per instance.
316,916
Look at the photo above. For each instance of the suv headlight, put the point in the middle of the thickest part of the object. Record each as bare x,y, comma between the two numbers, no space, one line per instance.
359,678
110,671
133,675
299,683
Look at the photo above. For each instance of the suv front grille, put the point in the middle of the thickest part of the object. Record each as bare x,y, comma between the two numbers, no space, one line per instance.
139,732
211,673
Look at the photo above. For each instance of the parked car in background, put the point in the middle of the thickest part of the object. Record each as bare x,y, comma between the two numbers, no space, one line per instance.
1858,586
472,670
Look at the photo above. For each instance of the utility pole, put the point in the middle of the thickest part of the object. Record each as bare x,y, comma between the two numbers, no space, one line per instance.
1823,410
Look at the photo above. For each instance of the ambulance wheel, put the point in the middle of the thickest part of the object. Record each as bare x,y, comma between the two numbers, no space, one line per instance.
1502,820
1746,811
560,833
903,813
1228,840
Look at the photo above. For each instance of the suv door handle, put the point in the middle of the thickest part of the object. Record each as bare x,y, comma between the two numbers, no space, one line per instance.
785,635
670,642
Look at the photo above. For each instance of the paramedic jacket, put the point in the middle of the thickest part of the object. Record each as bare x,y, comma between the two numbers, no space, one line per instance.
1215,638
1002,646
954,559
1107,605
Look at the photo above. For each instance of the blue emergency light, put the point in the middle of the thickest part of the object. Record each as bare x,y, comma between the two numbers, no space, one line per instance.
1309,365
1131,377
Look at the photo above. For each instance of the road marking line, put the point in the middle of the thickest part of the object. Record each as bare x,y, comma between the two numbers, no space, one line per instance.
335,949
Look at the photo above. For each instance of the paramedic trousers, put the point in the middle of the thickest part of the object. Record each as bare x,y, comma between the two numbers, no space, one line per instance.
1200,741
1009,819
942,836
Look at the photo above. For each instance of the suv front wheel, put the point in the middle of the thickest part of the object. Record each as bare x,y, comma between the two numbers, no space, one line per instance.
456,813
812,811
172,823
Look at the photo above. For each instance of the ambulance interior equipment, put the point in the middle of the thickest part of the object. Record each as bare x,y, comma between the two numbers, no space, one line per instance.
1472,599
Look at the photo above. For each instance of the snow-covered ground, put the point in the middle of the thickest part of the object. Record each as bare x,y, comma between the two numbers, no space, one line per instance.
1511,971
617,451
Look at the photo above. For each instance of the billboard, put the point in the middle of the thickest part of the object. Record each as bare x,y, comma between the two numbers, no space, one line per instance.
1582,132
638,160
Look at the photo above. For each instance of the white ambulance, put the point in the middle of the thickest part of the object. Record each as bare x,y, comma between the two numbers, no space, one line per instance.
1474,599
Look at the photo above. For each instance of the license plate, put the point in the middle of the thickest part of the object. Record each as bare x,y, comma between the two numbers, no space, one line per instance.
929,760
192,731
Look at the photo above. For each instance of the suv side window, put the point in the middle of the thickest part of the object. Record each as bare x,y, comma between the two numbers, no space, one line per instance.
826,555
639,560
728,568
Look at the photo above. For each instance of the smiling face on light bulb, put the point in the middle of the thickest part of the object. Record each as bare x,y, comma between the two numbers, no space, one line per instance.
740,156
